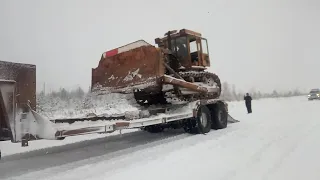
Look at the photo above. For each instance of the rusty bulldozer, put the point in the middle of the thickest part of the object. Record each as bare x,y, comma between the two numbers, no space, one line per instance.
154,77
173,71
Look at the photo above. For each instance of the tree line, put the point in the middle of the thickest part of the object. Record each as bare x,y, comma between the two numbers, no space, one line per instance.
229,93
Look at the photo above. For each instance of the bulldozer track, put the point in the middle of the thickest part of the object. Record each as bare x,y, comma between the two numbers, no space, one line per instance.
207,78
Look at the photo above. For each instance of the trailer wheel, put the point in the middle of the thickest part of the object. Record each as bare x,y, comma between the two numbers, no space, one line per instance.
201,124
219,116
204,122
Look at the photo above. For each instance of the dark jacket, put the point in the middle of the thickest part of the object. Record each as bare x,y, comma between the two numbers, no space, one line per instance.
248,99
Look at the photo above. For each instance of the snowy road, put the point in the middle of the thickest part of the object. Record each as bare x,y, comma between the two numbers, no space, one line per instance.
278,141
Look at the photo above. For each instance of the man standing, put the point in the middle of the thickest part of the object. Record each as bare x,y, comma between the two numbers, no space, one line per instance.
248,100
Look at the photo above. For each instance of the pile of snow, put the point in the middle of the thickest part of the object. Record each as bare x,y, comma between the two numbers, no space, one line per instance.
93,104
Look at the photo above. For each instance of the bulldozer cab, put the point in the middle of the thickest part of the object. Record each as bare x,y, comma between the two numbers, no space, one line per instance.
188,46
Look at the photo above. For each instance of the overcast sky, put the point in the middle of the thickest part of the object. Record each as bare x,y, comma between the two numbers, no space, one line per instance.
261,44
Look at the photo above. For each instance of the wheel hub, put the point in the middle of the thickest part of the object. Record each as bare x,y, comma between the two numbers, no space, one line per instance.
204,119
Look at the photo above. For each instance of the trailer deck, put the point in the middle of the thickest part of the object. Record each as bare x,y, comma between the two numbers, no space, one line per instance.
150,119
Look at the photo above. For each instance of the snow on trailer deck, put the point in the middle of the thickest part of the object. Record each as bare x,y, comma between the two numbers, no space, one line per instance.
278,141
135,119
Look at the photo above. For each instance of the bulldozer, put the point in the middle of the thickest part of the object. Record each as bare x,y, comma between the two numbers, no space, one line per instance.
175,70
155,77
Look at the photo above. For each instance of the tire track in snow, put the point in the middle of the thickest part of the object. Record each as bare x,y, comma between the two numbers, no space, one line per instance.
116,161
294,145
91,153
195,149
215,138
281,135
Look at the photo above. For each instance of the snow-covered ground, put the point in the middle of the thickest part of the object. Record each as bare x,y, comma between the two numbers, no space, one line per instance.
278,141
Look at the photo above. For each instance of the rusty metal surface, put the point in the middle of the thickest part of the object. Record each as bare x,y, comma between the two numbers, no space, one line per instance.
141,67
25,77
184,84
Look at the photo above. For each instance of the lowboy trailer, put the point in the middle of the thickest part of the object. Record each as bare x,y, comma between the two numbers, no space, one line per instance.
195,117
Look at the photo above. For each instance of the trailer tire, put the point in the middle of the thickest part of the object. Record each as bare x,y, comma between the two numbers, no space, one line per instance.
219,116
201,123
203,120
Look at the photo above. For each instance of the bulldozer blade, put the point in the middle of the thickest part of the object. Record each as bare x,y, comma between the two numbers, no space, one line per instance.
135,65
231,119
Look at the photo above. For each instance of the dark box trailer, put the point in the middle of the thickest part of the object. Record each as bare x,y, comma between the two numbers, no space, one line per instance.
23,79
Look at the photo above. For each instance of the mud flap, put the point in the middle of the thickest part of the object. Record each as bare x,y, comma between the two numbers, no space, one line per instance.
231,119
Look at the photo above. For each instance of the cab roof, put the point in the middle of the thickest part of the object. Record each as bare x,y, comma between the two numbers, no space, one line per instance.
175,33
